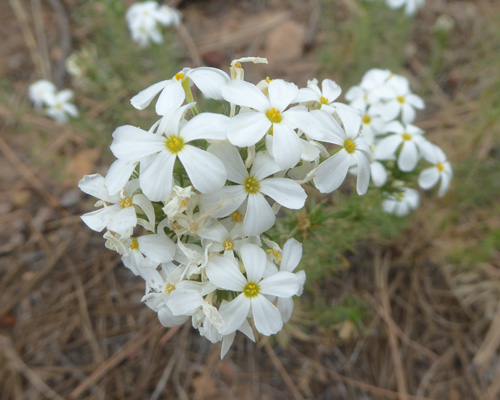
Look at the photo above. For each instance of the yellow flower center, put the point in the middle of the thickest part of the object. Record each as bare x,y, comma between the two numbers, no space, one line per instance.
406,136
174,144
58,106
275,253
268,80
127,202
366,119
236,217
274,116
228,244
179,76
401,99
169,287
440,167
237,65
251,289
251,185
135,244
323,100
349,146
399,196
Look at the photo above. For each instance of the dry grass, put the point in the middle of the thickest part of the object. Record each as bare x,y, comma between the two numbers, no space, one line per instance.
71,322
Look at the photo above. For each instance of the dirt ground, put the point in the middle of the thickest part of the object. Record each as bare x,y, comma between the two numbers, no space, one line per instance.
71,322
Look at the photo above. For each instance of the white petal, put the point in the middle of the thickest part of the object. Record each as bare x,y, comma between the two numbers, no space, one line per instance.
98,220
363,173
118,175
386,148
95,186
428,178
206,172
146,206
224,273
378,174
206,126
286,146
248,128
332,172
267,318
229,155
281,93
408,157
330,90
171,98
184,302
331,132
284,191
408,114
209,80
245,94
351,121
415,101
223,202
234,313
156,176
168,320
159,248
133,144
259,216
263,166
292,254
306,94
123,221
144,97
281,284
306,122
285,307
254,259
390,110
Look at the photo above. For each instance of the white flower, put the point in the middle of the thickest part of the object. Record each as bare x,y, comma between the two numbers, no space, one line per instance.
440,170
268,114
252,185
407,137
40,90
224,273
400,204
411,6
59,107
119,211
371,90
168,16
354,152
207,79
157,152
324,97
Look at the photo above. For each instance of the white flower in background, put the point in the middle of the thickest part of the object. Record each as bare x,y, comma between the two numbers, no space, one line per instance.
157,152
168,16
372,125
324,98
224,273
378,173
439,171
354,152
268,115
411,6
58,106
408,138
403,101
400,204
119,213
252,185
371,90
40,90
207,79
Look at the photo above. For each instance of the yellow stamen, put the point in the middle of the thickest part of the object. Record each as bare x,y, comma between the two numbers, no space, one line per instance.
134,245
127,202
251,185
228,245
183,203
275,253
440,167
237,65
236,217
268,80
366,119
169,287
406,136
179,76
251,289
399,196
174,144
401,99
349,146
323,100
274,116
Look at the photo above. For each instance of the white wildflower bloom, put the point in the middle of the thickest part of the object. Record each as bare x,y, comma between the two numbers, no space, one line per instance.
408,138
227,340
157,152
172,95
402,102
411,6
224,273
371,90
400,204
439,171
354,152
224,240
268,114
372,125
178,201
119,212
324,97
59,106
252,186
168,16
40,90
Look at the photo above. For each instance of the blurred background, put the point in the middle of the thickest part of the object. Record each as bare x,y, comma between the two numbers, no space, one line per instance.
393,308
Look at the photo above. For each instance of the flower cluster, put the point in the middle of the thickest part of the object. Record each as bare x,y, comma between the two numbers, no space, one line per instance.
143,20
189,202
388,109
411,6
56,104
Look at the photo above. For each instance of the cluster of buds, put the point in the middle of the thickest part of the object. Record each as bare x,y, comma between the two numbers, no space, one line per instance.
56,104
144,19
189,202
399,149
